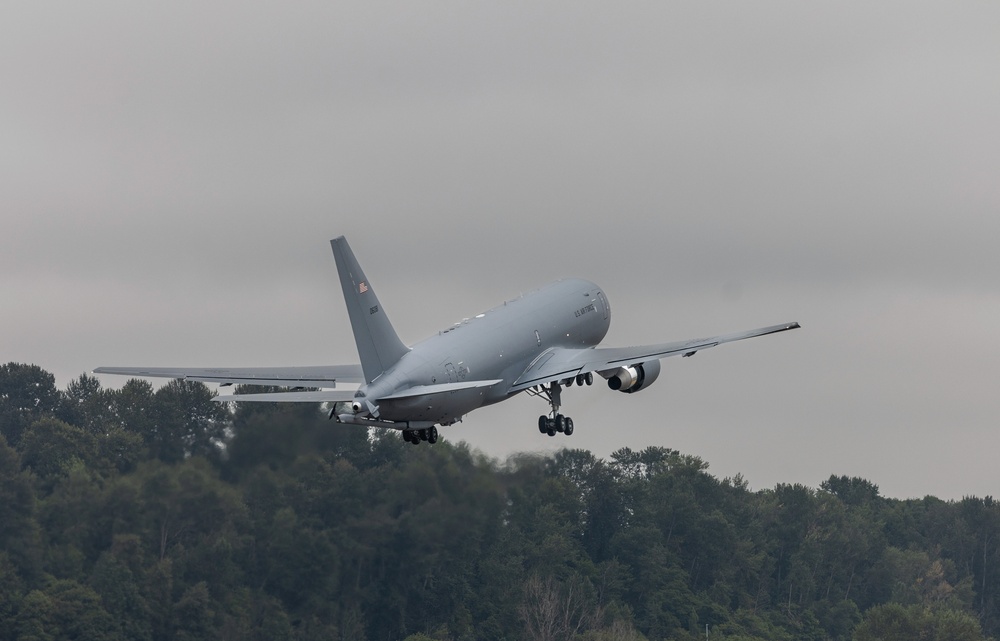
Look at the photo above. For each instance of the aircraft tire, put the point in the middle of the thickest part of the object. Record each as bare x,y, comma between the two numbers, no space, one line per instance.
560,423
543,424
432,435
568,430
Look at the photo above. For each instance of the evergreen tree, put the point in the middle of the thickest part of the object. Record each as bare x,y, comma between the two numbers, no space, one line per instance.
27,393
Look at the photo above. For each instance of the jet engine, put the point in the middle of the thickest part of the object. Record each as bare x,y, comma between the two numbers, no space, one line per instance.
634,377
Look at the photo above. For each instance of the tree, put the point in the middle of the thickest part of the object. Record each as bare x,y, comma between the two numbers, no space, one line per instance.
77,525
895,622
85,405
120,594
49,447
27,393
194,615
11,593
553,610
853,490
186,422
132,408
157,591
20,536
65,610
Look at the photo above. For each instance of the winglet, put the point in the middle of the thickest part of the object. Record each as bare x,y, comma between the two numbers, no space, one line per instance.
378,344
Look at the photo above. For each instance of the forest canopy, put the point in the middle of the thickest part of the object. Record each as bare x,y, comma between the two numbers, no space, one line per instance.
158,514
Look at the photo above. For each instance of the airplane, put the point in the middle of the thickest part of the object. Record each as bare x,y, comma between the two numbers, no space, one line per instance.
539,343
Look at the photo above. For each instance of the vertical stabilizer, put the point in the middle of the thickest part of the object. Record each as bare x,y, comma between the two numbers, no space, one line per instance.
378,345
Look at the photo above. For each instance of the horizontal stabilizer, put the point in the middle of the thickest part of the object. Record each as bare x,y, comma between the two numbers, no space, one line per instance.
324,396
313,376
320,396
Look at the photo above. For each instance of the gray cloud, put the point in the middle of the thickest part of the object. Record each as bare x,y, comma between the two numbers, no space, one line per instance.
171,175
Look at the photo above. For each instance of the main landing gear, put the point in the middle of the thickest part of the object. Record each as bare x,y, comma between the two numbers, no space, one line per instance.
429,434
554,421
558,423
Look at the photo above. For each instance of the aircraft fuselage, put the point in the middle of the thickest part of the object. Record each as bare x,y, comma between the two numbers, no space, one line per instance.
493,345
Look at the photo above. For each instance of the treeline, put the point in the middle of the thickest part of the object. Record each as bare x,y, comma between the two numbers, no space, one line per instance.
160,515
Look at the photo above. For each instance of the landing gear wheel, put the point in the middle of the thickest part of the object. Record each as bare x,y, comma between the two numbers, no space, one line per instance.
560,423
432,435
543,424
568,429
589,378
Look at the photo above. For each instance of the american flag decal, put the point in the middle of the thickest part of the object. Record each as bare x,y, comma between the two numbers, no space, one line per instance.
362,288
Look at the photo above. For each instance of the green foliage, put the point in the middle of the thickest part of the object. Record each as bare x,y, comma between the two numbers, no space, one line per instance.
65,610
160,515
12,589
20,536
853,490
121,596
27,393
185,422
85,405
50,448
194,617
895,622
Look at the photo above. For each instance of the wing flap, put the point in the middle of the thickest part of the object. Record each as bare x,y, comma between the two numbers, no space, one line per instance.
441,388
553,365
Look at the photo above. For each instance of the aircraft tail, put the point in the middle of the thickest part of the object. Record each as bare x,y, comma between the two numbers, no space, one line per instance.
378,345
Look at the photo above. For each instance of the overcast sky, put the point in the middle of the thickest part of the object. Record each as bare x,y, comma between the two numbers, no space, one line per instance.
171,173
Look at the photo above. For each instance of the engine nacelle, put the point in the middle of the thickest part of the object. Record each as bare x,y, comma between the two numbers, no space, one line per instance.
634,377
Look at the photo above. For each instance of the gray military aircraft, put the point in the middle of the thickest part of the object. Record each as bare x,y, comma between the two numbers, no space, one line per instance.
539,343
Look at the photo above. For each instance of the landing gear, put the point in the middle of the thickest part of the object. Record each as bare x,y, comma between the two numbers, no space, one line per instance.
551,426
414,437
555,422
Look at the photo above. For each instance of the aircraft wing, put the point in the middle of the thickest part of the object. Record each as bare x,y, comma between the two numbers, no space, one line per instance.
560,363
318,376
